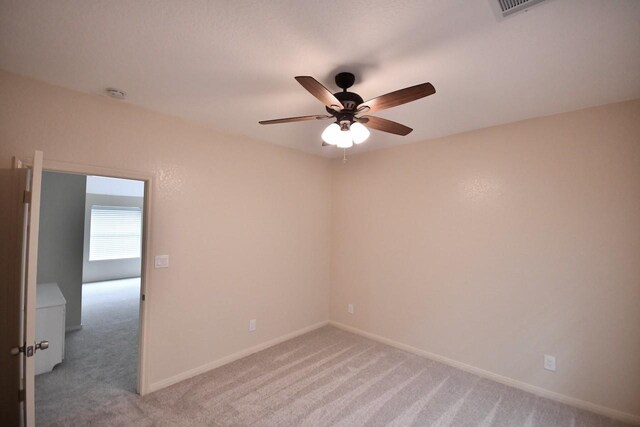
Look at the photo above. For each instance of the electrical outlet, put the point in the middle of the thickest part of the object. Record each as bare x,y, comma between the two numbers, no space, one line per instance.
252,325
350,308
549,362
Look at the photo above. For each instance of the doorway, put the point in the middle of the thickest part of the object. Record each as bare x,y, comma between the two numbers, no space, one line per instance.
91,261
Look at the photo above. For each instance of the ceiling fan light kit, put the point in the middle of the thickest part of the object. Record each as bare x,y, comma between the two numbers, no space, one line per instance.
344,135
344,107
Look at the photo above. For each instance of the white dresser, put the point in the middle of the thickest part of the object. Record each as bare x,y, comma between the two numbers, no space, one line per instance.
50,326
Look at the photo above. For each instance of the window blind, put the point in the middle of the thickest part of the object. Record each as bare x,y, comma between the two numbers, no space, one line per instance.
115,232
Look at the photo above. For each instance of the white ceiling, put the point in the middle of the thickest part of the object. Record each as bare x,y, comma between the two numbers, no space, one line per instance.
231,63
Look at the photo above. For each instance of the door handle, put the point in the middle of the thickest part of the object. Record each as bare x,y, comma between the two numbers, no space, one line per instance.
30,350
17,350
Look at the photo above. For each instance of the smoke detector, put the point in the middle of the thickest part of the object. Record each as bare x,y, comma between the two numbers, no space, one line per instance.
116,93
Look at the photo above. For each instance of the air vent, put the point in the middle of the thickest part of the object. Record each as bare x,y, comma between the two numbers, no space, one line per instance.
509,7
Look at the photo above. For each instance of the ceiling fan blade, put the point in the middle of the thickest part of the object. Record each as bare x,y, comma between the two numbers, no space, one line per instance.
294,119
398,97
385,125
316,89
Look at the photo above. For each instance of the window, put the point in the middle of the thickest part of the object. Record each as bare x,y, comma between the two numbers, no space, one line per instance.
115,233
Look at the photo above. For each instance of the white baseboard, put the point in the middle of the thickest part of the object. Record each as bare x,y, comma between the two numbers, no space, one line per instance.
231,358
539,391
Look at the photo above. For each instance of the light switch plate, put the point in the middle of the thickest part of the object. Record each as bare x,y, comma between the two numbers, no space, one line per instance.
252,325
162,261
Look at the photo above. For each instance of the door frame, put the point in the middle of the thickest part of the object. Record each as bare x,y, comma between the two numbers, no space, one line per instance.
146,260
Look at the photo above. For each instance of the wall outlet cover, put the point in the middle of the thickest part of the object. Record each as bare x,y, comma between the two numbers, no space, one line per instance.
252,325
350,308
549,362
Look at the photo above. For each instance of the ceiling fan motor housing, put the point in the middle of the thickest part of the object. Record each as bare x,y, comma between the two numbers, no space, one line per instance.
350,101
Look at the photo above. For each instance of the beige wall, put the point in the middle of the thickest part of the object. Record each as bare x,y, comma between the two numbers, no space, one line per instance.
246,224
497,246
490,248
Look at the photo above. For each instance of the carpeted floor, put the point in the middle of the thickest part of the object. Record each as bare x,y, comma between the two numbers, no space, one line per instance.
327,377
100,359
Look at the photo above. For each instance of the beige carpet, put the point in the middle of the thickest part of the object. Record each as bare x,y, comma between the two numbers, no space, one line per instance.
329,378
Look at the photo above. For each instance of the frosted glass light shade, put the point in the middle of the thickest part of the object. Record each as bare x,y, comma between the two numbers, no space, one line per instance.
359,133
335,135
330,134
344,139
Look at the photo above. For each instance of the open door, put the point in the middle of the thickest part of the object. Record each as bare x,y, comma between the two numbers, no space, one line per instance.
19,224
13,184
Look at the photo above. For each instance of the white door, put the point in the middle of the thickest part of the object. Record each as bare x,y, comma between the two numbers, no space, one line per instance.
24,187
13,187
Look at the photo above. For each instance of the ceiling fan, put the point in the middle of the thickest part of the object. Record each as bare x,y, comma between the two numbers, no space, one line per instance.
345,107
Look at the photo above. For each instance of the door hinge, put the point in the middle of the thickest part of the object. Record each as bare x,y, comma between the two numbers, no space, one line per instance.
143,297
22,395
26,198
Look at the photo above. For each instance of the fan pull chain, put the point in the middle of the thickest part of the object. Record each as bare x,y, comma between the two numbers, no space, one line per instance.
344,155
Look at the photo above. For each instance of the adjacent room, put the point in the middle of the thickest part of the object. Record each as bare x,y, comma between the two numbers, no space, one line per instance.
88,291
408,213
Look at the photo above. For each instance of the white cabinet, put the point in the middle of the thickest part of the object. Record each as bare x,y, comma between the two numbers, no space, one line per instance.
50,319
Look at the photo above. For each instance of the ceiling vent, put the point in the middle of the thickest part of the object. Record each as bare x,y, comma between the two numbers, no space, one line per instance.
509,7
